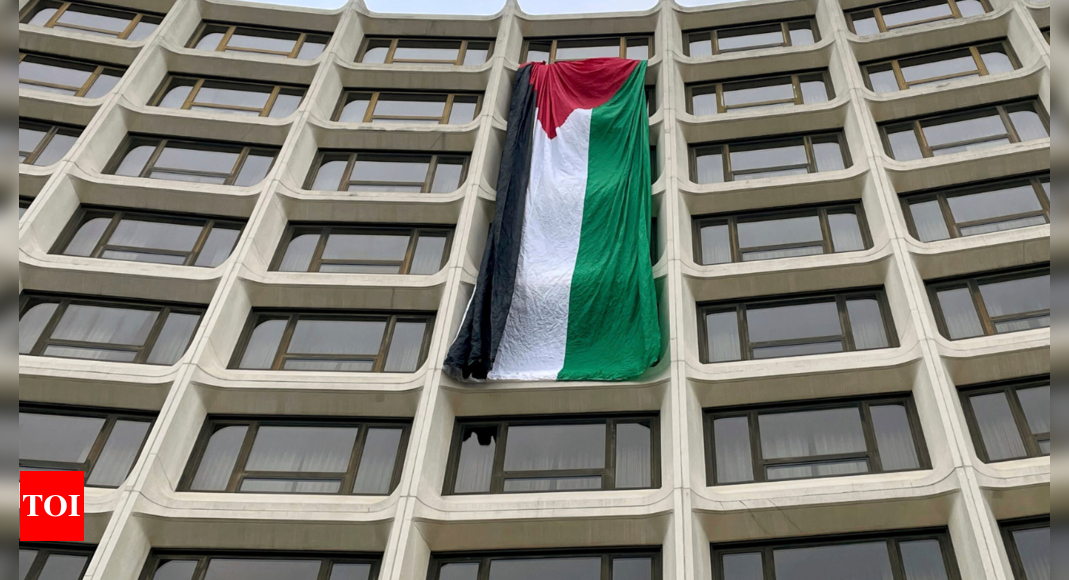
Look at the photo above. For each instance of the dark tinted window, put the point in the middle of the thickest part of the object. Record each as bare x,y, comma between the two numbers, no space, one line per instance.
738,161
407,108
84,18
631,564
1028,545
175,160
750,37
364,250
174,565
259,41
66,77
980,209
43,144
966,131
53,561
392,172
425,51
1009,420
992,304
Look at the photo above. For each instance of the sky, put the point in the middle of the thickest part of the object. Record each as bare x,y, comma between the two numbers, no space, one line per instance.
492,6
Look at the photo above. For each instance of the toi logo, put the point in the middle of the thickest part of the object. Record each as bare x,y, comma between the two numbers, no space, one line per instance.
51,506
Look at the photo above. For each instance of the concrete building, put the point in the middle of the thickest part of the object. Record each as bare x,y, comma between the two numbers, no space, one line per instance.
235,299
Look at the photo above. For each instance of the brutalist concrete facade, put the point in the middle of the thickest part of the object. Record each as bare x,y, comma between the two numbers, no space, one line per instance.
685,515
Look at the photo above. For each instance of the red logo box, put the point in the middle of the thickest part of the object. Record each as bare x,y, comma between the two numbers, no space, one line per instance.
51,506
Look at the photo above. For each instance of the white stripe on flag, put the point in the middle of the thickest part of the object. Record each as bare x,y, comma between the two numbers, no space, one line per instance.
536,333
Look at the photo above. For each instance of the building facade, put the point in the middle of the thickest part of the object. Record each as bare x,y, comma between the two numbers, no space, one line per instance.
248,234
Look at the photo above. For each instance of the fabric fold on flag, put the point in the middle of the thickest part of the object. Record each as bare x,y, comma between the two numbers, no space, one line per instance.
565,288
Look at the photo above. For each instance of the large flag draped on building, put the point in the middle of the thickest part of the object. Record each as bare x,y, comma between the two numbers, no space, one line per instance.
565,289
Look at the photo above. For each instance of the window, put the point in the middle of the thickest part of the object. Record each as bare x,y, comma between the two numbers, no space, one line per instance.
103,444
43,144
364,250
297,44
760,93
297,456
967,62
813,439
992,304
895,15
780,234
776,328
198,162
1009,420
384,171
559,454
619,564
979,209
304,565
425,51
105,330
66,77
926,555
92,19
223,96
1028,546
114,234
750,37
53,561
407,107
551,50
24,204
350,342
781,157
972,130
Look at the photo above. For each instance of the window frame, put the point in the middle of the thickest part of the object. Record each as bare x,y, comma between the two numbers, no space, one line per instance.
877,12
392,317
484,559
110,416
732,220
273,90
554,42
917,125
302,36
942,196
239,472
80,92
143,352
718,88
752,413
373,101
893,538
974,51
1007,528
841,298
50,130
499,475
700,149
327,229
714,35
203,558
46,549
133,141
1009,388
432,159
394,40
87,212
136,17
972,283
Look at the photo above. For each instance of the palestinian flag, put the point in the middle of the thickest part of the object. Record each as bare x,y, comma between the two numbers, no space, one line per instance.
565,290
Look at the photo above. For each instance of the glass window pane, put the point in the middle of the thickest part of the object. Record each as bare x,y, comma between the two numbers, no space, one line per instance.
26,559
142,31
1029,125
376,52
998,430
359,247
428,256
463,110
63,567
865,23
447,177
355,110
752,157
995,203
60,438
773,232
734,459
350,572
302,449
538,51
298,256
104,83
894,438
923,560
1016,296
262,40
90,353
828,155
210,41
704,103
311,49
155,235
427,50
743,566
740,94
175,570
904,145
869,561
476,465
188,159
54,72
85,240
633,456
320,487
582,49
632,569
883,79
537,484
866,321
1036,405
638,49
959,313
723,336
555,447
846,232
218,246
811,433
813,470
254,170
814,91
941,132
174,338
543,568
134,161
912,12
32,323
29,139
217,463
377,462
710,168
459,571
796,321
263,345
243,569
410,105
403,171
285,104
928,219
802,34
406,346
476,53
1033,547
227,94
105,324
119,453
996,60
754,37
946,64
56,149
362,337
716,245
